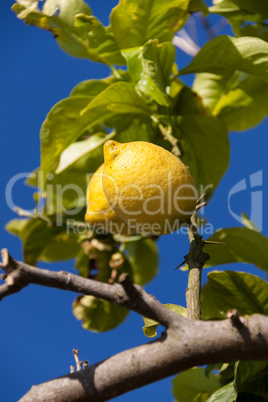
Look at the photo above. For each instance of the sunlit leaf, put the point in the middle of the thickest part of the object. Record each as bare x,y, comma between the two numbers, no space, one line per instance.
150,326
225,53
134,22
80,149
242,245
224,394
71,117
245,106
188,384
77,32
98,315
227,290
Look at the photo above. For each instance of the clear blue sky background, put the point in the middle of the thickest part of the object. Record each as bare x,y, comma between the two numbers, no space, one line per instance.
38,329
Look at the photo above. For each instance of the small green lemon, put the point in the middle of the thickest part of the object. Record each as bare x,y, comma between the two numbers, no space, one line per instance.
147,186
99,214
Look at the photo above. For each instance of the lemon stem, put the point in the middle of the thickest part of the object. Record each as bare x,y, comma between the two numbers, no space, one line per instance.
195,260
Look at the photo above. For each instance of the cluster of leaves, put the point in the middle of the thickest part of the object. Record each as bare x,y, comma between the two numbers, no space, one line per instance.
146,99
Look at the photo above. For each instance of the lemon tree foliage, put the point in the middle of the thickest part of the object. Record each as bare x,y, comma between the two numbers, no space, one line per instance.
145,98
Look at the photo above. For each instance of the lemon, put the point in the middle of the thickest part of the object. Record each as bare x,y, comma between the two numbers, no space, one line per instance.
147,186
99,214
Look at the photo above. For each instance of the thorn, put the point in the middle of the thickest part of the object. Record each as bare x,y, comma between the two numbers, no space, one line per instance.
183,262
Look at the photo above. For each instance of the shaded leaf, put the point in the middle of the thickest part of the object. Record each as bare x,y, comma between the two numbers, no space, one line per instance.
198,5
77,32
15,226
98,315
143,258
150,326
229,290
242,245
224,394
135,22
205,149
188,384
42,241
252,377
225,53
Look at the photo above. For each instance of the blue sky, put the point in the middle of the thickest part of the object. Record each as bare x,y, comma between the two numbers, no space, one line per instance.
39,330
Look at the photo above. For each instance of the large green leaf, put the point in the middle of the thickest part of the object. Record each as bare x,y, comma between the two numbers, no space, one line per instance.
150,66
211,87
43,241
98,315
77,32
83,150
227,290
252,377
143,258
150,326
224,394
205,149
225,53
242,245
245,106
230,6
71,117
134,22
188,384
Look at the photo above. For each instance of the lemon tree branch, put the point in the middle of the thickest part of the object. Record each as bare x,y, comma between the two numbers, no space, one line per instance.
19,275
195,260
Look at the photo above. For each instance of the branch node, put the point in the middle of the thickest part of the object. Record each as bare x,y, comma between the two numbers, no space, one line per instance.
235,318
85,364
128,286
72,369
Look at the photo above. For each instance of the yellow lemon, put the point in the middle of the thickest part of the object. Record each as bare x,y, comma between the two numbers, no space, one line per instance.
147,186
99,214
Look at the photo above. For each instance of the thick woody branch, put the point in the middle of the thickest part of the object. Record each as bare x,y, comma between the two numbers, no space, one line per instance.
133,297
186,343
200,342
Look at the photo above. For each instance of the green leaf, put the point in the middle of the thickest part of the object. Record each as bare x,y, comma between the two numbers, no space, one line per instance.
82,263
242,245
224,394
248,223
134,22
150,326
77,32
143,258
98,315
205,149
15,226
79,150
245,106
252,377
211,87
188,384
225,7
71,117
227,290
150,66
198,5
43,241
90,88
225,53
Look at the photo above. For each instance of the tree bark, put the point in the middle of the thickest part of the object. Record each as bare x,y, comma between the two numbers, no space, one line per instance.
186,342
